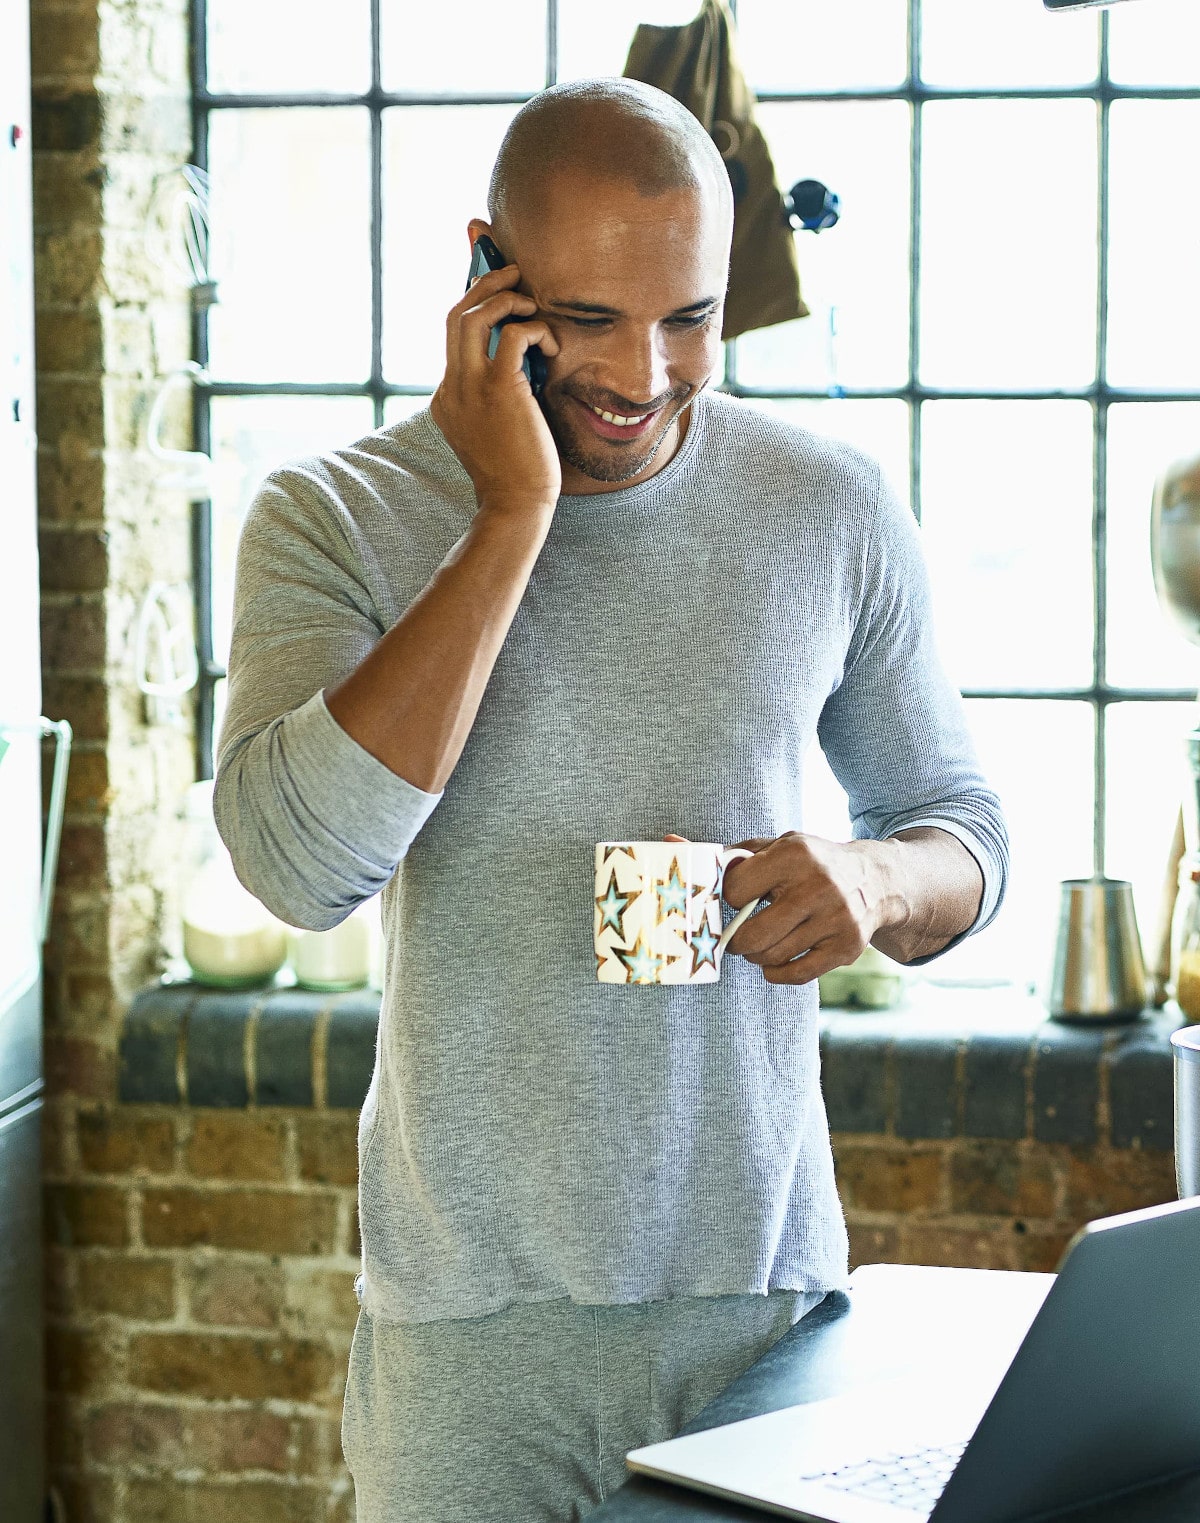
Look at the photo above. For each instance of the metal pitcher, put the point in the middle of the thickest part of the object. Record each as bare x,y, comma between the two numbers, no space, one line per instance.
1099,973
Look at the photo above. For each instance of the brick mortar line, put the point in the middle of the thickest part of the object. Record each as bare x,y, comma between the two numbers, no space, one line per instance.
291,1150
205,1184
177,1255
188,1402
1104,1091
181,1052
180,1178
250,1055
286,1480
891,1090
960,1086
320,1057
976,1220
1030,1074
120,1335
65,1120
333,1341
112,671
344,1228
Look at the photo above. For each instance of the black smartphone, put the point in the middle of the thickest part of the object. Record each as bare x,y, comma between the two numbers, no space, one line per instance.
486,256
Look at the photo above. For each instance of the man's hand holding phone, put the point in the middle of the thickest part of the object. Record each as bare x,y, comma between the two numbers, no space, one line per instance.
412,700
485,406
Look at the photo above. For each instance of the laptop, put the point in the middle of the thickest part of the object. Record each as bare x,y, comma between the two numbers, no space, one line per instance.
1102,1395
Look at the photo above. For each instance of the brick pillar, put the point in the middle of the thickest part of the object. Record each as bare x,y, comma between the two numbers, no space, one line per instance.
110,112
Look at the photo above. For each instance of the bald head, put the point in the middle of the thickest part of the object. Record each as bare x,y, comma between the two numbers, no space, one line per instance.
613,129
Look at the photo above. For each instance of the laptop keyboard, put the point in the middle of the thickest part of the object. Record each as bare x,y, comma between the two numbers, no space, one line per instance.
913,1480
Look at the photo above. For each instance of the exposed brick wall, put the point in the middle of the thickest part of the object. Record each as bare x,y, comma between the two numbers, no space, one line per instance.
985,1204
202,1267
989,1141
110,111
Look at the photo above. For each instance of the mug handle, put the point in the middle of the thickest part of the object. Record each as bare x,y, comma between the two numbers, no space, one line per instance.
725,857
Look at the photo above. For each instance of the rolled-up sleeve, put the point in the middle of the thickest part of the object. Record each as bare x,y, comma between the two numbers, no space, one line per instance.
894,730
314,823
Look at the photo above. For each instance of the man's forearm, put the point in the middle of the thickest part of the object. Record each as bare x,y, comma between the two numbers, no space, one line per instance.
412,702
931,890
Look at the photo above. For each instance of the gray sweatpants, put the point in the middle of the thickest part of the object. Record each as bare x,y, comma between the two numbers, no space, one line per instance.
525,1416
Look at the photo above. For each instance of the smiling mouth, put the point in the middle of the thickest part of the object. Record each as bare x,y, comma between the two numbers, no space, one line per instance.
618,419
619,427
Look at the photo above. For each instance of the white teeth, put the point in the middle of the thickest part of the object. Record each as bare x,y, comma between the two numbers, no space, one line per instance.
615,417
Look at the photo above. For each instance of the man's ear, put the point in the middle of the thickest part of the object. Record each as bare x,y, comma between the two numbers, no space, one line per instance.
476,226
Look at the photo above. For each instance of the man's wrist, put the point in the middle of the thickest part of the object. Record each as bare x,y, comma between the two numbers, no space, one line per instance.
884,887
526,511
934,889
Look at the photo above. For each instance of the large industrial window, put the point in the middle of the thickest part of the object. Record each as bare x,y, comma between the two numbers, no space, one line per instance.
1007,317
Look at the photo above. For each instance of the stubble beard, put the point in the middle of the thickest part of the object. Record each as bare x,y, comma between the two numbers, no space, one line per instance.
596,462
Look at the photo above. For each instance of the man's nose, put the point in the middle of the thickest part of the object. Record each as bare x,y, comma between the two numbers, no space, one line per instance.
639,372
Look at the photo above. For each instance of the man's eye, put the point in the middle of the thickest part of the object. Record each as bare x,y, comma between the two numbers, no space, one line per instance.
693,320
588,322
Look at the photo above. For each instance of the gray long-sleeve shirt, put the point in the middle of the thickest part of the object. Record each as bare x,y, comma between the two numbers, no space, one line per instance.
530,1133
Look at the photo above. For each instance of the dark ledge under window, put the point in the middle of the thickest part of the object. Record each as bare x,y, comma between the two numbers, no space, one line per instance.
950,1062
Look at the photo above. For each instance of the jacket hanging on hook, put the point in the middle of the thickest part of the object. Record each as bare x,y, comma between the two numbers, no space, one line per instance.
697,64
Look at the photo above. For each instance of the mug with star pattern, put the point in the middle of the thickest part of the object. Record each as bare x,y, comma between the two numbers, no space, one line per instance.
658,911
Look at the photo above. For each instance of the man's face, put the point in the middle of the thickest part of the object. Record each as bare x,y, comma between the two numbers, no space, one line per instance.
632,287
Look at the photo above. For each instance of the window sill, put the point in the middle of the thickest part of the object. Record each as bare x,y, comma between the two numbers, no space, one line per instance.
989,1063
948,1062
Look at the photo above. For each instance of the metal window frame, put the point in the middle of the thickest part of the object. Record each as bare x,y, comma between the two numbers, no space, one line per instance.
1099,695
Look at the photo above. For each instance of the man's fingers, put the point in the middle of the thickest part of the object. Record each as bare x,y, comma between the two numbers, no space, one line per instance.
478,291
755,843
486,285
493,283
751,877
815,963
476,324
768,925
774,935
842,943
515,338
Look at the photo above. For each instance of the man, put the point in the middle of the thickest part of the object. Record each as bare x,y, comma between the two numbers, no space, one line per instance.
471,646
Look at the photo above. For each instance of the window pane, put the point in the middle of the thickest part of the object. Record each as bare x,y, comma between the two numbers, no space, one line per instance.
594,40
1145,781
1008,293
252,436
469,47
1153,293
290,208
396,409
320,48
826,811
1157,44
1015,45
1038,757
1006,505
1144,648
785,45
877,426
437,161
858,268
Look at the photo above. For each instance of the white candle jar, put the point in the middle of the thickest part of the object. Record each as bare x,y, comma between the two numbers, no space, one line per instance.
230,940
333,960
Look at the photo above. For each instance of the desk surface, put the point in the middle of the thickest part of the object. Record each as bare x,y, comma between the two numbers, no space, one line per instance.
896,1319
